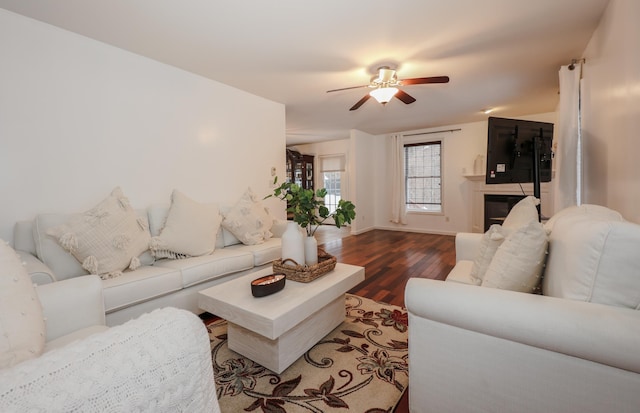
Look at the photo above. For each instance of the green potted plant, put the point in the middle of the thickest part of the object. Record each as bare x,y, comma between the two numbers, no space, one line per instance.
309,211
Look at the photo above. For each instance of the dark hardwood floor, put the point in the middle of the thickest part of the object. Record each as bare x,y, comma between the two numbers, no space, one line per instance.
390,258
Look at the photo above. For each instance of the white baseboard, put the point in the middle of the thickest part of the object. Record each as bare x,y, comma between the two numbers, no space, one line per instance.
421,231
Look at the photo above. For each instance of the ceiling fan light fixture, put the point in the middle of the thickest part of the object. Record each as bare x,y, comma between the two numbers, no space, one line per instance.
383,94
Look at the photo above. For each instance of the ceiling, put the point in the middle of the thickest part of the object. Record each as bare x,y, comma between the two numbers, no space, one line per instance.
502,54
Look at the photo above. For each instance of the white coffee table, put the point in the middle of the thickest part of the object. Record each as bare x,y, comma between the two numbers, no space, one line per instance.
277,329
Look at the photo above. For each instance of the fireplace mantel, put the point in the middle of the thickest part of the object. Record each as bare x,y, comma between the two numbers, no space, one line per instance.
480,188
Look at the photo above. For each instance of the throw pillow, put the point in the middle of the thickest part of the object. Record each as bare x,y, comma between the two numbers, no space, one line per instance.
22,329
107,239
521,214
518,262
491,240
248,220
190,229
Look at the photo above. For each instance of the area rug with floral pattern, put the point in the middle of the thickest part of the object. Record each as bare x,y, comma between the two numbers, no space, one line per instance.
360,366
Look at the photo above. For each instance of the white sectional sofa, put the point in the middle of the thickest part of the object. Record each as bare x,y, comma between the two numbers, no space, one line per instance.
57,354
156,283
573,348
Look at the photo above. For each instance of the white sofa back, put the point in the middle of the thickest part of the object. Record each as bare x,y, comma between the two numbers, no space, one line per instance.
594,257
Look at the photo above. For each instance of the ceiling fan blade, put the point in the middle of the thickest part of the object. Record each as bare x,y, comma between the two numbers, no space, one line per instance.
423,80
346,88
360,102
405,97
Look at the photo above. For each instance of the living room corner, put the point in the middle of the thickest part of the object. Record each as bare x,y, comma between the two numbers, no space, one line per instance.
143,235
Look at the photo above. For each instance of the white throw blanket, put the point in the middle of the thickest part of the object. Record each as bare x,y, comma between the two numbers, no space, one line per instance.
160,362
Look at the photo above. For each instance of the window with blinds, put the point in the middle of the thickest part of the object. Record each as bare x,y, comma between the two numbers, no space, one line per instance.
331,169
423,176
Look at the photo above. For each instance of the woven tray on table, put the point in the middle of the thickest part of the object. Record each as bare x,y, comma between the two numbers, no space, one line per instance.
305,273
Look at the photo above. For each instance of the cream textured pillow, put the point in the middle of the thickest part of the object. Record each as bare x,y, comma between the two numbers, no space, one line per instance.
249,220
491,240
518,262
190,229
107,239
521,214
22,329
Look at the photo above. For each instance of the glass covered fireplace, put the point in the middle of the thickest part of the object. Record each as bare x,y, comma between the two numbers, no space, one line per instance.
496,208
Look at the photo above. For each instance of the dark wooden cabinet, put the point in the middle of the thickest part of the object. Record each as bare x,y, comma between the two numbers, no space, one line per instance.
300,169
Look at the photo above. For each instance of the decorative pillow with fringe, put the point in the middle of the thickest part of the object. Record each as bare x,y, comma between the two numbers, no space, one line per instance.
190,229
249,220
106,239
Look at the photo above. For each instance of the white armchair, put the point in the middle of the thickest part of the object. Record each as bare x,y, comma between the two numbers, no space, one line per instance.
160,362
477,349
573,349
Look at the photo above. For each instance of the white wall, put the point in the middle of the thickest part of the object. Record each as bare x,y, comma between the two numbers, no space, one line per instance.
459,151
611,111
361,180
79,117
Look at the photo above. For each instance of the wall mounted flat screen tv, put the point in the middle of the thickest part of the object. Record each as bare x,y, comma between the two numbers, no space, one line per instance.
510,151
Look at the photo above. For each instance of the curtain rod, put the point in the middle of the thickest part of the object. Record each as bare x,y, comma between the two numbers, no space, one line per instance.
573,63
437,131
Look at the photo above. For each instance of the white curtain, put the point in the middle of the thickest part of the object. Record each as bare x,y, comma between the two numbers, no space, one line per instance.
568,159
398,204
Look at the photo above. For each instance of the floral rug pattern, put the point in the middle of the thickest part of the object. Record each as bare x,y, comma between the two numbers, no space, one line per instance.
360,366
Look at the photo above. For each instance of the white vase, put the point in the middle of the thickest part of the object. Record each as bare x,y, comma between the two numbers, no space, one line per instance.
310,250
478,165
293,245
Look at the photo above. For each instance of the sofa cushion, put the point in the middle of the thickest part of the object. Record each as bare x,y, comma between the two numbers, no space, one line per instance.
195,270
228,238
594,259
22,328
248,220
189,230
491,241
62,263
107,238
518,262
263,253
143,284
521,214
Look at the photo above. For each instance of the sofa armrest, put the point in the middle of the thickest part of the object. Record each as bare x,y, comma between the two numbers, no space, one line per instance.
159,362
467,244
40,273
599,333
72,304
